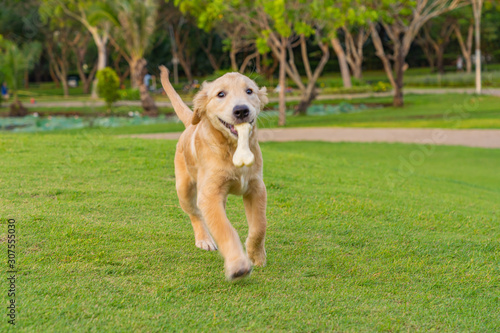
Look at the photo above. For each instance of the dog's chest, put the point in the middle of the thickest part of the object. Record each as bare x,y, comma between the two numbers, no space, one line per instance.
241,182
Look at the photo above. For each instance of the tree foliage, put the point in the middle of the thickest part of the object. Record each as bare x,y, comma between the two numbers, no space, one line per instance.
15,60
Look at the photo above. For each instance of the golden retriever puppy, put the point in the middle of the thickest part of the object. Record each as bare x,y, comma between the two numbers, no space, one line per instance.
217,155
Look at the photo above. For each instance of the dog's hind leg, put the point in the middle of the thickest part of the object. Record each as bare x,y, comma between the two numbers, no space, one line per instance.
186,191
255,208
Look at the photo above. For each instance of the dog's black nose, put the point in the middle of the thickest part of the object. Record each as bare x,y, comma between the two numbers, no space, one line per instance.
241,111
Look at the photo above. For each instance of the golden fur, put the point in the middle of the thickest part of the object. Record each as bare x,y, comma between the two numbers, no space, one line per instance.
205,174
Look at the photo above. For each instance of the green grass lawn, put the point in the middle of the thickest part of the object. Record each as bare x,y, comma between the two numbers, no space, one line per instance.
358,239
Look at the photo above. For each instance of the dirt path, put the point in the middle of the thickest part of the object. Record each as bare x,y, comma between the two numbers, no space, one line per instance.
454,137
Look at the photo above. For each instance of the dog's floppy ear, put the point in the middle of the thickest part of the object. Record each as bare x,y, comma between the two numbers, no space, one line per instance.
263,97
200,103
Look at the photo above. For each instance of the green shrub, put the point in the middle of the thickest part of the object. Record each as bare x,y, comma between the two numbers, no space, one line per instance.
108,84
381,87
130,94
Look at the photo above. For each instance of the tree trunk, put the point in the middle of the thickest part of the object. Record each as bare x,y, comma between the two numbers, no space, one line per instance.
180,52
354,50
26,79
101,59
186,66
208,51
86,86
282,83
398,88
269,70
468,55
477,8
357,70
80,44
54,77
429,55
175,63
439,59
440,42
123,76
175,59
247,60
344,68
148,103
310,93
133,74
232,56
379,51
59,64
86,80
306,100
212,61
466,47
65,87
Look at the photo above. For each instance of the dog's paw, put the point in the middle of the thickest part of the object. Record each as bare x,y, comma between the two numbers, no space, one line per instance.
258,258
206,244
257,254
238,269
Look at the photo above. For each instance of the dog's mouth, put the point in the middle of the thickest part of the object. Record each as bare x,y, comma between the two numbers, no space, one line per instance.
231,128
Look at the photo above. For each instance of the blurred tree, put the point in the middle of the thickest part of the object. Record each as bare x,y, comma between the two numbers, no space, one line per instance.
355,38
490,31
477,7
401,21
182,53
217,17
81,11
80,45
134,22
14,61
206,41
119,66
277,26
64,36
20,23
464,32
347,19
58,49
434,36
283,26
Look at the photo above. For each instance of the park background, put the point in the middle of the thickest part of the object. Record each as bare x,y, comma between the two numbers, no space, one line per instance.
361,237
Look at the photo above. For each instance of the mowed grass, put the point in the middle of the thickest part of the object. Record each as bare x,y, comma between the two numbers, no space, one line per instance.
361,238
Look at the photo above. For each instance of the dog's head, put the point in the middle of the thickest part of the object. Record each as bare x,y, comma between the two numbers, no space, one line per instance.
231,99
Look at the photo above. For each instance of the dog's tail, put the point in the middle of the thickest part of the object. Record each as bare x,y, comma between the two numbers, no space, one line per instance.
181,109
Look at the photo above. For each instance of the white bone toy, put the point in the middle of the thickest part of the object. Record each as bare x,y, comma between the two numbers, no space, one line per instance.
243,156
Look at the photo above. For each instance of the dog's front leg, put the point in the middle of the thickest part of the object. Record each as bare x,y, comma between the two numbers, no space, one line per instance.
211,202
255,201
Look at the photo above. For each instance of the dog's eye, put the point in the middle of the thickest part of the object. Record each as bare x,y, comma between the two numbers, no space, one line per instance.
249,91
221,94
